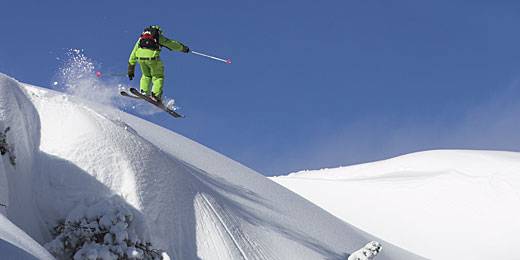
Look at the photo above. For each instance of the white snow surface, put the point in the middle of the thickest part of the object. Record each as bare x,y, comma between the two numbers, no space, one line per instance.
74,154
16,244
443,204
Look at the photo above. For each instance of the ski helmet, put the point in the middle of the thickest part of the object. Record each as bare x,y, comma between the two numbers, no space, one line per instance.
157,27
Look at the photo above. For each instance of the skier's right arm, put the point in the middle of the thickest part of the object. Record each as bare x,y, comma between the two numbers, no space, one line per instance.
173,45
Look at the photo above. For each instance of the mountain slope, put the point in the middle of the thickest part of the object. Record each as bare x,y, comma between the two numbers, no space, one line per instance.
441,204
188,199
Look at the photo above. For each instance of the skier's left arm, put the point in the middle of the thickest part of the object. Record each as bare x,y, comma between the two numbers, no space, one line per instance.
173,45
131,61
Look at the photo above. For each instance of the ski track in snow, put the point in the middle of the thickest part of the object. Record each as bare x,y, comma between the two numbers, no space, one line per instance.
208,212
232,230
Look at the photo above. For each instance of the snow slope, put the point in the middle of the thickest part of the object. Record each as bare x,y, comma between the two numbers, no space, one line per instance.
189,200
446,204
16,244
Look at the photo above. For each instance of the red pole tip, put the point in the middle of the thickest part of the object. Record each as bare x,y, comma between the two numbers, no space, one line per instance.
98,74
228,61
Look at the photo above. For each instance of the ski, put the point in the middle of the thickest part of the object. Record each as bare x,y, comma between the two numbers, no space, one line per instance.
138,94
125,94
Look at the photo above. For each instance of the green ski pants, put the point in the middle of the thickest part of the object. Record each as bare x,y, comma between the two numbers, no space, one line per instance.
152,71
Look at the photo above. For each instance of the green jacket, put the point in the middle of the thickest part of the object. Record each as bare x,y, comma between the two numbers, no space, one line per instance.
138,52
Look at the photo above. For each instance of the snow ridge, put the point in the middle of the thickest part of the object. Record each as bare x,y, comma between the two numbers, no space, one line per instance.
186,199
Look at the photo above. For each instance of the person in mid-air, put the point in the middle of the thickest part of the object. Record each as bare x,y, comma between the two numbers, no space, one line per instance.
147,52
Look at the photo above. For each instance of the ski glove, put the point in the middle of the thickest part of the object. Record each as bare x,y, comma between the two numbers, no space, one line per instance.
131,71
185,49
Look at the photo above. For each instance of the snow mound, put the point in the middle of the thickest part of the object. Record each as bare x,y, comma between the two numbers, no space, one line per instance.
74,155
19,114
196,203
445,204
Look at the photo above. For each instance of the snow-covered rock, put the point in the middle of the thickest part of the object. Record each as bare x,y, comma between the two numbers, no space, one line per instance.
368,252
105,230
446,204
16,181
19,114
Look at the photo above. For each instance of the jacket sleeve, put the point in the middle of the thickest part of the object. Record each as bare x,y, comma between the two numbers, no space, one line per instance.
172,45
133,59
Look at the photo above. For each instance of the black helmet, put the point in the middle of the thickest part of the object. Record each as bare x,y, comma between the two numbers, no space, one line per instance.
156,27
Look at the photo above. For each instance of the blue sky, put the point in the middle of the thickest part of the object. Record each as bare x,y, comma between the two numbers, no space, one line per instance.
313,84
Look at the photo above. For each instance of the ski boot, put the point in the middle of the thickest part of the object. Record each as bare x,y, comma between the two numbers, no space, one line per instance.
155,98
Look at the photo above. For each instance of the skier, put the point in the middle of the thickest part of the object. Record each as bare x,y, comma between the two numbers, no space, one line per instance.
147,52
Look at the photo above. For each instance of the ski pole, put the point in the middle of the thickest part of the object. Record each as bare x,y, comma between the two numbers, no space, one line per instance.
228,61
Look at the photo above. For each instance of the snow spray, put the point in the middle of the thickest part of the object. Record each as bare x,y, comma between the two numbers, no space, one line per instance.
80,76
76,76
